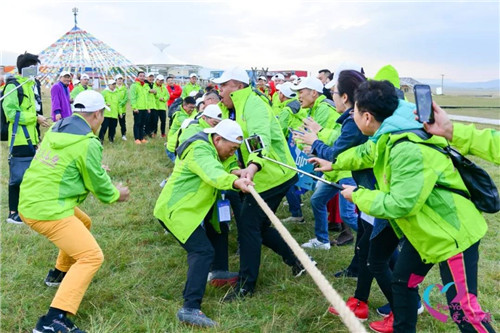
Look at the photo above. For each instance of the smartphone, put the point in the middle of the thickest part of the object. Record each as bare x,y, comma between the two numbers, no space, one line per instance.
29,72
423,99
254,144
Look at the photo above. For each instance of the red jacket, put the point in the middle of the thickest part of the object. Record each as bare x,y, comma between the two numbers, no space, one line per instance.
175,92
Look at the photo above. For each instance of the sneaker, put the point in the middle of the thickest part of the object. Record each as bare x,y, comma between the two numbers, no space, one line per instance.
236,294
298,269
144,141
124,138
316,244
163,135
138,142
385,310
346,273
14,218
359,308
54,278
194,317
222,278
60,324
384,325
294,219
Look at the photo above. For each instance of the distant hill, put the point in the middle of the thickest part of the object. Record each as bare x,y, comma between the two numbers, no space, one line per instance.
493,85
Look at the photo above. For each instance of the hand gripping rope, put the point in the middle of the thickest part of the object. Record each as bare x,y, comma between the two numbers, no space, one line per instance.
347,316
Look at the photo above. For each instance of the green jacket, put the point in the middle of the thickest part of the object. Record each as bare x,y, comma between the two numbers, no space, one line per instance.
483,143
323,112
151,97
192,188
66,167
139,95
277,104
177,119
123,98
161,92
194,127
188,88
436,221
291,115
112,99
78,89
255,116
28,116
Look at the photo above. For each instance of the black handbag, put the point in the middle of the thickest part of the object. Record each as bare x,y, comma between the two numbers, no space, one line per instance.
18,165
482,189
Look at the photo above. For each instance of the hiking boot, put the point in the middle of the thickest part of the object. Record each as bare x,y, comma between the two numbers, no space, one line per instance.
298,269
316,244
385,310
236,294
294,219
346,237
335,227
346,273
137,142
124,138
194,317
54,278
384,325
14,218
222,278
61,324
359,308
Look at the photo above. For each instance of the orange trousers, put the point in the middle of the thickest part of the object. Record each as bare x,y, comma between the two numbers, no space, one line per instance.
79,256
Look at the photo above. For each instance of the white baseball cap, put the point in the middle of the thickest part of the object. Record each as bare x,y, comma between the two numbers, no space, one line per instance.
89,101
309,82
345,66
110,82
279,76
293,77
228,129
119,76
286,89
199,100
150,74
193,93
263,78
193,75
84,76
235,73
212,111
64,73
160,77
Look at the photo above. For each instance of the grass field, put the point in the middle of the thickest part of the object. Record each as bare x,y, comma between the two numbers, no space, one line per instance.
139,287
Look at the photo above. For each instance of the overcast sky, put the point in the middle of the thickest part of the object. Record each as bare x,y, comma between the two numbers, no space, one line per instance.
421,39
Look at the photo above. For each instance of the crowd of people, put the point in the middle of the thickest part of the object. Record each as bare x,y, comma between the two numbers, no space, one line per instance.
360,133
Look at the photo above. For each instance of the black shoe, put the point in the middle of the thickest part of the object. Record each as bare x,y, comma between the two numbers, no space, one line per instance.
14,218
335,227
346,273
236,294
61,324
54,278
298,269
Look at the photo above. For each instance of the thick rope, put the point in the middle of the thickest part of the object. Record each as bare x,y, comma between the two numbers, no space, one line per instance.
347,316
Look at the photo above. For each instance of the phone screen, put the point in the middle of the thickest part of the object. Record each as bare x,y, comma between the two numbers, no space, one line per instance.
254,144
423,99
30,71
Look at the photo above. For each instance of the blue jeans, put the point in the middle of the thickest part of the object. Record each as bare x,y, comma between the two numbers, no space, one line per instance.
294,202
320,198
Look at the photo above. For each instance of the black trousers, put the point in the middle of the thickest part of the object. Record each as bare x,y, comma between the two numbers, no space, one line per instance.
254,229
152,122
460,269
162,115
18,151
374,257
108,123
123,123
140,118
206,250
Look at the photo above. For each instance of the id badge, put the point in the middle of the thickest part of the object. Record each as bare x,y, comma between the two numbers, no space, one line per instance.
224,210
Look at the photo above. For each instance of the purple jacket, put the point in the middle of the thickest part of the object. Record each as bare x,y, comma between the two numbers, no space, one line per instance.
60,101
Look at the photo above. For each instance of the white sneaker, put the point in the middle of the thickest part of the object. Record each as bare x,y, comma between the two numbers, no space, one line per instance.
124,138
293,219
316,244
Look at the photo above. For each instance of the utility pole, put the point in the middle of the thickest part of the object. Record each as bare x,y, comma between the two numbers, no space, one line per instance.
442,79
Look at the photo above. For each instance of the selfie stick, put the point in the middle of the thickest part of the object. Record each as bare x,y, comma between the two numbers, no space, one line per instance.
347,316
337,186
